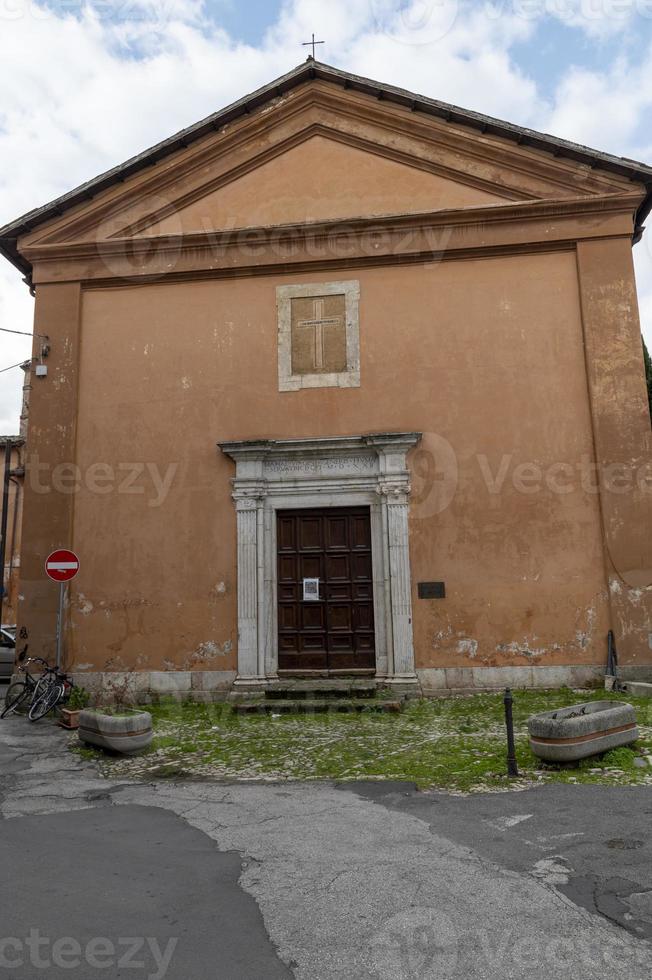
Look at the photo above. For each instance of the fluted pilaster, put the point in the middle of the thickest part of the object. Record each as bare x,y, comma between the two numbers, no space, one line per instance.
247,588
401,598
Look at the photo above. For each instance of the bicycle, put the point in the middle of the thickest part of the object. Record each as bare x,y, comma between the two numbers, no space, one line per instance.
38,696
22,692
52,687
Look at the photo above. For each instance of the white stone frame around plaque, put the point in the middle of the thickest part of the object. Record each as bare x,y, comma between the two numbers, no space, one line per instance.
287,381
350,471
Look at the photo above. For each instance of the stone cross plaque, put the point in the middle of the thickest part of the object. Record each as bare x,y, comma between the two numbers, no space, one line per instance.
318,334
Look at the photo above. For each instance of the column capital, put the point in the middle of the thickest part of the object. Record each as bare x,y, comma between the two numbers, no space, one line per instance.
394,491
248,498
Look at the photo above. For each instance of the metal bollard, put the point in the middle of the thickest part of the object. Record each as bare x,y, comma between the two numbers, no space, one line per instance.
512,765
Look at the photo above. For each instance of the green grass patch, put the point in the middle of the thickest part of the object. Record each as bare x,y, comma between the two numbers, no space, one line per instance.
456,744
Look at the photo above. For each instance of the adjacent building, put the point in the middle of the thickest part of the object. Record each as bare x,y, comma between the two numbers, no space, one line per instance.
14,498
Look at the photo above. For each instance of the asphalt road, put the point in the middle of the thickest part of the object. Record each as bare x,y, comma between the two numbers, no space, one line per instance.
125,890
593,843
197,880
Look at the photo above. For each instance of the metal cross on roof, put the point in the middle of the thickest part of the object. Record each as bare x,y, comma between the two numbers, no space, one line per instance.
312,44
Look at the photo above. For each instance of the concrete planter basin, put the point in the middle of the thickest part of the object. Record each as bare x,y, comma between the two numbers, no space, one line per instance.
128,732
581,730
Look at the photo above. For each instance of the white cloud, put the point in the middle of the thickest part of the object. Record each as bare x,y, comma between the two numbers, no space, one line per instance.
105,80
599,19
469,66
605,109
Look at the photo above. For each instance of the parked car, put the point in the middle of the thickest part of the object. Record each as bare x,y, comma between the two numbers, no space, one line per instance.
7,651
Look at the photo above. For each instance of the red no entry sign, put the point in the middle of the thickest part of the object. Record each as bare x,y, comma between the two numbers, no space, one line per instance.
62,565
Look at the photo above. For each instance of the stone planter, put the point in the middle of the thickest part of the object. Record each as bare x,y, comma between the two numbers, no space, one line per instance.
581,730
120,733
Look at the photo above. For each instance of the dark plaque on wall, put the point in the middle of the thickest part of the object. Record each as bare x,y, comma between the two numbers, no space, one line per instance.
432,590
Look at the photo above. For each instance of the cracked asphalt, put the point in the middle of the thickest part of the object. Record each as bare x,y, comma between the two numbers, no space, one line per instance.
194,880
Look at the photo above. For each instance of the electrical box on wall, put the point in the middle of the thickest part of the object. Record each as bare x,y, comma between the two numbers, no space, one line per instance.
41,370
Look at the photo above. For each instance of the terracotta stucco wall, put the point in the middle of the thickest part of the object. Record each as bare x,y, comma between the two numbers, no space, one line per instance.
623,438
48,491
485,357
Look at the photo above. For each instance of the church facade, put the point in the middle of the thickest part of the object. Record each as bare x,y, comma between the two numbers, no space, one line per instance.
341,381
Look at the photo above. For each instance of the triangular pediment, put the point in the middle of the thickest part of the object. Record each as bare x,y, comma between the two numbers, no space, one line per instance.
318,180
319,153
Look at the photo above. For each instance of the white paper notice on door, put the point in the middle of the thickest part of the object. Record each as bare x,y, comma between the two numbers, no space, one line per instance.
310,589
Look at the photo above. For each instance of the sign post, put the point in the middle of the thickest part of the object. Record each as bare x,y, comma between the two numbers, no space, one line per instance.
61,566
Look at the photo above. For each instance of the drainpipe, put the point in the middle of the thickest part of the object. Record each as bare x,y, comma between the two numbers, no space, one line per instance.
14,525
3,522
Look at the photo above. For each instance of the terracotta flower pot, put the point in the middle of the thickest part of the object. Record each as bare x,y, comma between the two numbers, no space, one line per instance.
70,717
120,733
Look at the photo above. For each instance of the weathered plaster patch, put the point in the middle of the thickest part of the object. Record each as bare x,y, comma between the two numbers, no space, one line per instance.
442,635
468,646
128,603
583,636
84,605
521,649
209,650
270,106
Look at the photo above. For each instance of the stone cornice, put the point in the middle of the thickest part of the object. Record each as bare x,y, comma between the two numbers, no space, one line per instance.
262,449
375,461
387,240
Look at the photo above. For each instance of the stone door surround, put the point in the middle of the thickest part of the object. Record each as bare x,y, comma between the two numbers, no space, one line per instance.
344,471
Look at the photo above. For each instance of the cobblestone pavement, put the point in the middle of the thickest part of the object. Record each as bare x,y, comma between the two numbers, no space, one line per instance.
342,881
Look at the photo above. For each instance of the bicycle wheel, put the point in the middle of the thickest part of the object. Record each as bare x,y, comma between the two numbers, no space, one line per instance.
41,686
17,694
46,702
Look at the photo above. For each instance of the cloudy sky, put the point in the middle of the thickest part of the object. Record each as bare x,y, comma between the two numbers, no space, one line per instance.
85,85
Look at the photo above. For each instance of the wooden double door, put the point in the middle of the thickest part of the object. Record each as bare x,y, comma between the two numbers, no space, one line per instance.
325,590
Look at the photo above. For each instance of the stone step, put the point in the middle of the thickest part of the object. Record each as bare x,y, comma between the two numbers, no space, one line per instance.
309,690
316,706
